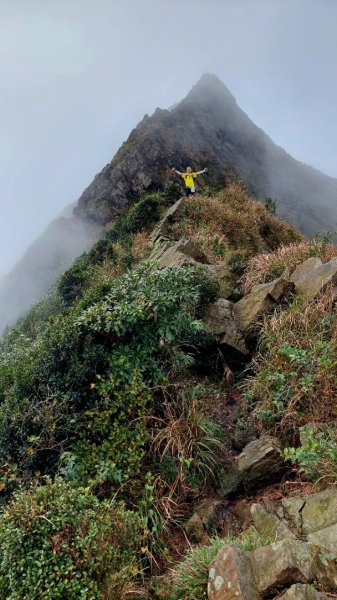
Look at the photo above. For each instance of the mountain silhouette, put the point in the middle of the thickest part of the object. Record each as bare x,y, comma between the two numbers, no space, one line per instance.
207,128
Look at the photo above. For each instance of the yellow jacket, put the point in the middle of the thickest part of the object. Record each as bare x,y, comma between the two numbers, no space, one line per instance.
189,177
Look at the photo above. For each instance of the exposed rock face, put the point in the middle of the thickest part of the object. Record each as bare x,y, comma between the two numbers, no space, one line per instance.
208,127
312,276
269,525
325,538
203,520
260,462
231,576
261,299
313,512
282,563
219,319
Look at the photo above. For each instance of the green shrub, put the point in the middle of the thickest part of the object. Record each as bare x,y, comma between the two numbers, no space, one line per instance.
140,216
58,542
316,458
237,261
295,380
83,386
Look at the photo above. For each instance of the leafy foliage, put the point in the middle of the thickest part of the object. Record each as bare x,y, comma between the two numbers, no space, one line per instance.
316,457
139,217
58,542
84,384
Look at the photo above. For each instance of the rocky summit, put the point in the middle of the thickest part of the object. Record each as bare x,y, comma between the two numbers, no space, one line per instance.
208,128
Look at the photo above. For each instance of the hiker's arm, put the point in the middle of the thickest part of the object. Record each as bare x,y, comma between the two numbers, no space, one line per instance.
176,171
203,171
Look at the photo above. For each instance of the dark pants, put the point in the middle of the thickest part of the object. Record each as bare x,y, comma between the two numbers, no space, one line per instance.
188,192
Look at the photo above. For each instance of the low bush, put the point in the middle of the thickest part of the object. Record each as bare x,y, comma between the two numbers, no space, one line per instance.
316,457
84,387
59,542
139,217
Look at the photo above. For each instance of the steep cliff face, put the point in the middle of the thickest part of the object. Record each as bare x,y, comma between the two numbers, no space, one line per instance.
208,128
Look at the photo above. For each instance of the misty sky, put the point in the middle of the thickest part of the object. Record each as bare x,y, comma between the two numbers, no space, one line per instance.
77,75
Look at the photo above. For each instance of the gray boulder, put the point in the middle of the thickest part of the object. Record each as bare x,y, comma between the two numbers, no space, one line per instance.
314,512
203,521
219,320
269,525
281,564
325,538
231,577
261,299
312,276
260,462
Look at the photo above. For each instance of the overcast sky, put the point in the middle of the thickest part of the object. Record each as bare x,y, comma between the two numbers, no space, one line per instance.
77,75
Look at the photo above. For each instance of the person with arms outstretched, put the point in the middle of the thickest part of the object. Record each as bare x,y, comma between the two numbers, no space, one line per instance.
189,176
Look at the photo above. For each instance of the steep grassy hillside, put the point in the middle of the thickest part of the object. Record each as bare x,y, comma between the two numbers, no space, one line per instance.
116,405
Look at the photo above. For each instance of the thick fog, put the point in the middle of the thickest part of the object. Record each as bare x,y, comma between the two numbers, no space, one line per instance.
77,75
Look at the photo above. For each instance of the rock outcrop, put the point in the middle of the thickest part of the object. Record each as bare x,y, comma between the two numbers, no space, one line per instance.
231,576
218,133
259,463
312,276
292,561
220,320
261,299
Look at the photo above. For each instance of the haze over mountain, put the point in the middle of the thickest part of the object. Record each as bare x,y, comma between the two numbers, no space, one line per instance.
207,128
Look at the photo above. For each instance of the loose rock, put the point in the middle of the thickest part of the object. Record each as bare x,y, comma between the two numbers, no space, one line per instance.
261,299
314,512
219,320
311,277
268,525
231,576
282,563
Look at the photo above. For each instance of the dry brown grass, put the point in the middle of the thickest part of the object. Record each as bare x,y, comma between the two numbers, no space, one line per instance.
232,220
140,245
296,373
267,266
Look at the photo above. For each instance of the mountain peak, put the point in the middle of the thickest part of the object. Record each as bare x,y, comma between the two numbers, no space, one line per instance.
210,88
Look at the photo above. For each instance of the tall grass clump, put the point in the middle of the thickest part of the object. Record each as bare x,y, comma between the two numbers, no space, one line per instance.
231,220
266,266
296,373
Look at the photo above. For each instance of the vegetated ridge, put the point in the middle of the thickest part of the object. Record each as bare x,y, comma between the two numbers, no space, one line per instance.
205,128
192,330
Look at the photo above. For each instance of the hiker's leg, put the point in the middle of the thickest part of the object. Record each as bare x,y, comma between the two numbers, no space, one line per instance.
187,192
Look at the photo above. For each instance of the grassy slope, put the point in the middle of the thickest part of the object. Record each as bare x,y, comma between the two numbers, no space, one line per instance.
95,381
